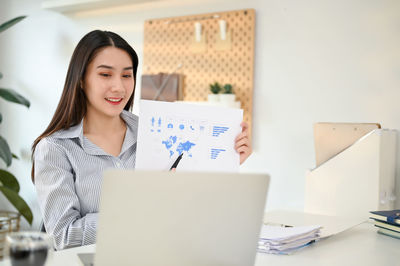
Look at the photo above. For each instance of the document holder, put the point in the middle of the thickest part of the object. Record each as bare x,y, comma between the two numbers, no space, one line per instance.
332,138
359,179
162,87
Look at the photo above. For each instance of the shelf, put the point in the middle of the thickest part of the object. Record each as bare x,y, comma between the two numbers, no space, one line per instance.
82,5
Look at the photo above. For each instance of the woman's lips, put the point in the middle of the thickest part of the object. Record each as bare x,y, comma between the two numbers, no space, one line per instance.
113,100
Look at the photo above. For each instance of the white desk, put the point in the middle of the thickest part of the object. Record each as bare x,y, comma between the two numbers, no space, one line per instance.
360,245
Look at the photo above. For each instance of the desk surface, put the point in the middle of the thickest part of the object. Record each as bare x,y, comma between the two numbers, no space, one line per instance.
360,245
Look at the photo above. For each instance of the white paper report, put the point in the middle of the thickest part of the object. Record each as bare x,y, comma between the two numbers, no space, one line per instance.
204,134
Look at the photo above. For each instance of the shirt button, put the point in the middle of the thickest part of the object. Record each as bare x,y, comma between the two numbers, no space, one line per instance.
118,164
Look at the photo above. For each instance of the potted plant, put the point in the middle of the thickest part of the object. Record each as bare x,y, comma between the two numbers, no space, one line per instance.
228,96
215,90
9,185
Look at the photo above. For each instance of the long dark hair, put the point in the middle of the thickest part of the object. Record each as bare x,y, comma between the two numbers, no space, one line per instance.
72,106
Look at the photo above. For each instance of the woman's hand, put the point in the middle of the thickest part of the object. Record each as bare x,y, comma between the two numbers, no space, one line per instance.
242,143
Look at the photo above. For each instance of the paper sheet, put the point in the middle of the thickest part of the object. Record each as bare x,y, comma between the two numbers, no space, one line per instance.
331,225
285,234
285,240
205,134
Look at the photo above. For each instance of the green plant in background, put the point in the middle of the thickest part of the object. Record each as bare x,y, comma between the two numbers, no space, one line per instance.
215,88
228,89
9,185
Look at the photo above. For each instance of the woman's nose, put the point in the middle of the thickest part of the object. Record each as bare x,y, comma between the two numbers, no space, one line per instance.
117,84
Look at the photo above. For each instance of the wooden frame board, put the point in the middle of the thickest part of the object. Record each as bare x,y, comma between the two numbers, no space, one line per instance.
169,43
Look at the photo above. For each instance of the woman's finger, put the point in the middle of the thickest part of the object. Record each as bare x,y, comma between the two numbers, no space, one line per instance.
244,132
242,149
244,152
241,136
242,142
244,126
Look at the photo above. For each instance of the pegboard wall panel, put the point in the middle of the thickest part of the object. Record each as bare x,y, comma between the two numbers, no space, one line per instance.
168,43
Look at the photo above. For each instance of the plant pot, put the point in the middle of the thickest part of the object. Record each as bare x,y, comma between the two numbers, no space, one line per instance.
213,98
227,98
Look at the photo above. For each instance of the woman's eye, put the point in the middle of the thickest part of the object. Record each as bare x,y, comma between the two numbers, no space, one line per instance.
105,75
127,76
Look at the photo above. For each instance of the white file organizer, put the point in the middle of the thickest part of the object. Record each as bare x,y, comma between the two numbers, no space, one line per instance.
358,180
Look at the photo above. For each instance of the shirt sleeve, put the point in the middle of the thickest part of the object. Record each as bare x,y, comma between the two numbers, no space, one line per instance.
59,203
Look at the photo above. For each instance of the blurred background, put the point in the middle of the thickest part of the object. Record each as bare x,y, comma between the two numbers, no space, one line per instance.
315,61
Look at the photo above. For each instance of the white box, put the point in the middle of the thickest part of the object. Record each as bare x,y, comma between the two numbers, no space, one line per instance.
357,180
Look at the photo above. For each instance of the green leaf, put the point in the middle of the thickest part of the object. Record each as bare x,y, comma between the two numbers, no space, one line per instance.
13,96
228,89
18,202
14,156
215,88
9,180
11,23
5,152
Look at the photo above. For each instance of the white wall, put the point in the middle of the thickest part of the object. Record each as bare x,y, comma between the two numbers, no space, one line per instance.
315,61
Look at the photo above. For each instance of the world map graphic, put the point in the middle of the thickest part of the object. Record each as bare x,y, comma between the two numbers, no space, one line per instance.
170,134
173,144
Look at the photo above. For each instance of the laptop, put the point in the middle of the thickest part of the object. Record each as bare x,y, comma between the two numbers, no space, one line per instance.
179,219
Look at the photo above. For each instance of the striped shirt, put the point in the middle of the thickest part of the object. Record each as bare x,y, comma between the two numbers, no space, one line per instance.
68,176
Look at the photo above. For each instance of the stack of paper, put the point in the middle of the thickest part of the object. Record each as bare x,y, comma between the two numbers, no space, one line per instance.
285,240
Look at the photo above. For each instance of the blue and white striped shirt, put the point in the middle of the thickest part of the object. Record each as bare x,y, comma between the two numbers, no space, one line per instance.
68,175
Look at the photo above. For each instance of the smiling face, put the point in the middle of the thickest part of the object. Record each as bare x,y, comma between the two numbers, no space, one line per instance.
108,82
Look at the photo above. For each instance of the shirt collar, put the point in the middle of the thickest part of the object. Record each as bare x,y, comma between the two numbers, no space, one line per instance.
131,122
76,131
70,133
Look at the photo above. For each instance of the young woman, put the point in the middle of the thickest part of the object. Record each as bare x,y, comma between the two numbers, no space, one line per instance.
91,130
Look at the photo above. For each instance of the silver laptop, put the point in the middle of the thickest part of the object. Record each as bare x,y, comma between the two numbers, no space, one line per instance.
179,219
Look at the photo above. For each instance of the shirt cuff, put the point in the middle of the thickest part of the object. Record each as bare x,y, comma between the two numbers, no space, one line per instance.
89,234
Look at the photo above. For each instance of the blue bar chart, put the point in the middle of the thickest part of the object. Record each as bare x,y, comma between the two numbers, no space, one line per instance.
215,153
217,130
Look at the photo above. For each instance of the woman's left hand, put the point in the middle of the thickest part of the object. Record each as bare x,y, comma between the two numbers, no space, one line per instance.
242,143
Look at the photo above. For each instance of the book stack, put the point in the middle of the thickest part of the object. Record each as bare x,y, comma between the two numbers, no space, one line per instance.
388,222
286,240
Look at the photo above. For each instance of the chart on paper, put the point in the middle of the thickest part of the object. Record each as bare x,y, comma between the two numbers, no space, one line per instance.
204,134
